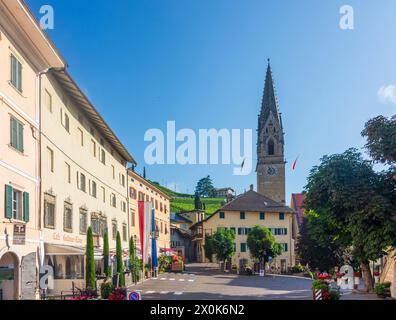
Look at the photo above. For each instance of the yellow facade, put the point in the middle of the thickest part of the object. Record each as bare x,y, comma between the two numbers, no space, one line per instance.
142,190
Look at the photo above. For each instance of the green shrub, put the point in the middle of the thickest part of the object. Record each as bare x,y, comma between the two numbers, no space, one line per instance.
106,289
379,289
335,295
164,263
320,285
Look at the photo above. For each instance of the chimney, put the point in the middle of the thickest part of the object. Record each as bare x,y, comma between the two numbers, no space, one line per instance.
251,187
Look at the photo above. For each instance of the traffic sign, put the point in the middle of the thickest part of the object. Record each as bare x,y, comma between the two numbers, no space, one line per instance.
134,295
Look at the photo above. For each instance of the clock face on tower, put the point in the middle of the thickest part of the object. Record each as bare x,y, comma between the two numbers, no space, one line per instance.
272,171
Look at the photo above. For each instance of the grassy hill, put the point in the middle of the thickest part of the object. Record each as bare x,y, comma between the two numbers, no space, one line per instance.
185,202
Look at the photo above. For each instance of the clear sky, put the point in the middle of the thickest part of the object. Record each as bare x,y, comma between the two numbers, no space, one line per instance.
202,63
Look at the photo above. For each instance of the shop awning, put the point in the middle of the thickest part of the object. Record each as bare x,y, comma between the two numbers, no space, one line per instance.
65,250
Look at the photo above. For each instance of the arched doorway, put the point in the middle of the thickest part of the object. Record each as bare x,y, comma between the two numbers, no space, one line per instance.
9,276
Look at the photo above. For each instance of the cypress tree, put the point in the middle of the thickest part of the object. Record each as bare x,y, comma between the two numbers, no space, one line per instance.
120,264
106,254
132,259
90,274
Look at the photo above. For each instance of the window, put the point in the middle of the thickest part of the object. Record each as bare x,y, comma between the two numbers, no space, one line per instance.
222,215
132,193
114,229
102,156
17,205
83,186
156,204
113,171
271,147
133,217
262,215
243,231
122,180
281,216
233,230
285,247
50,159
161,207
113,200
104,194
124,232
242,215
93,148
16,134
67,173
123,206
48,101
68,217
81,137
166,228
243,247
16,73
93,189
49,211
83,220
96,225
162,227
66,123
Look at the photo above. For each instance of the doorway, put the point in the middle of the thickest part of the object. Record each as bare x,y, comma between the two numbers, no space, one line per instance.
9,276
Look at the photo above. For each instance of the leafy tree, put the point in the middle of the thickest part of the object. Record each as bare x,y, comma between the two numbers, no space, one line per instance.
134,261
317,256
351,208
205,187
221,244
381,139
90,262
209,247
262,245
197,202
120,263
106,255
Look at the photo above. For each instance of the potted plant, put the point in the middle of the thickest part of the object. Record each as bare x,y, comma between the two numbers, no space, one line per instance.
339,276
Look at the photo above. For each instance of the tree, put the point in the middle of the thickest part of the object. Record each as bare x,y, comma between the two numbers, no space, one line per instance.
106,254
134,262
381,139
90,279
317,256
222,245
209,247
262,245
197,202
120,263
350,207
205,187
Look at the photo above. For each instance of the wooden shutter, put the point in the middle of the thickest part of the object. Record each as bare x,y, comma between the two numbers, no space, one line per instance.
8,201
26,206
20,136
19,75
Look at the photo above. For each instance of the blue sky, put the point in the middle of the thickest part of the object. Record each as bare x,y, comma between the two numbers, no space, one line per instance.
202,63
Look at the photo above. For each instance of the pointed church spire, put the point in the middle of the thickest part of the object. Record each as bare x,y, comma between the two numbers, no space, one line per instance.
269,102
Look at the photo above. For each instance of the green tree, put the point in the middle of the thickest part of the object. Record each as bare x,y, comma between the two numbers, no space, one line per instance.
351,208
317,256
381,139
90,277
209,247
120,263
134,262
223,244
262,245
205,187
106,254
197,202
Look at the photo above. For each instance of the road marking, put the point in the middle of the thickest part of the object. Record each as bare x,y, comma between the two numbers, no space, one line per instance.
162,279
164,292
181,280
172,279
178,293
191,280
150,292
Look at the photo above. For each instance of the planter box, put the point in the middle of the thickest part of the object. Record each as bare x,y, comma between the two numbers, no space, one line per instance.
177,267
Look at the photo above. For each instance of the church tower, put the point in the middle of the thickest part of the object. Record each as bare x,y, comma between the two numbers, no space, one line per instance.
270,145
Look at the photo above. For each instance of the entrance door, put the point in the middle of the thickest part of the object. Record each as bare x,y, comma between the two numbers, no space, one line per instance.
283,266
9,276
29,277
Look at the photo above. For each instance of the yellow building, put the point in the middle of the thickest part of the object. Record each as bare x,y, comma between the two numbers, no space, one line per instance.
240,215
25,52
141,189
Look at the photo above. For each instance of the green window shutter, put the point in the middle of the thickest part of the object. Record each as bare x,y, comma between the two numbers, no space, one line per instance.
8,201
13,133
26,206
20,137
13,73
19,76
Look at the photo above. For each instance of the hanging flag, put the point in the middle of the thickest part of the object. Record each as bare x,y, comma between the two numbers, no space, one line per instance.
295,163
153,241
147,231
141,225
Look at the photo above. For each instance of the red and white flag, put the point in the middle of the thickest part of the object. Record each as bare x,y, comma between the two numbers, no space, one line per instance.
295,163
145,212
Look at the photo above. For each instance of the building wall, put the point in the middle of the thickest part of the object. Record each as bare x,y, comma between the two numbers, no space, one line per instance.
141,189
79,150
18,169
232,220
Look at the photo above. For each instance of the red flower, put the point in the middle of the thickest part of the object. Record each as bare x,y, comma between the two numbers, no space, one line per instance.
325,295
340,275
324,276
376,274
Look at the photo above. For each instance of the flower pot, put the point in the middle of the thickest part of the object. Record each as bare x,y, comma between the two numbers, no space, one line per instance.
356,280
376,279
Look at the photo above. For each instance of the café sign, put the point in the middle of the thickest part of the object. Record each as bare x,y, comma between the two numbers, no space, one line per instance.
19,236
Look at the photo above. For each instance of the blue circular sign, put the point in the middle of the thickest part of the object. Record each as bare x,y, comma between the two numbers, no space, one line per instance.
134,296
